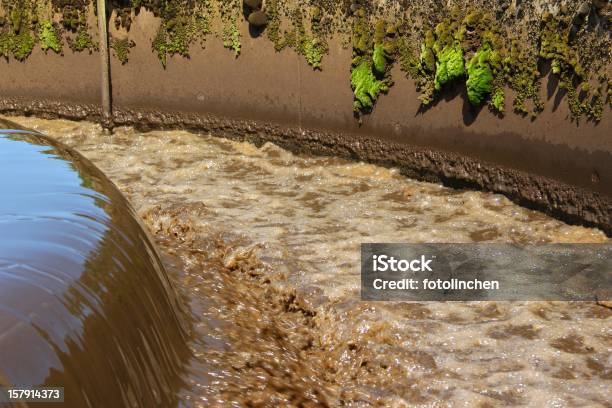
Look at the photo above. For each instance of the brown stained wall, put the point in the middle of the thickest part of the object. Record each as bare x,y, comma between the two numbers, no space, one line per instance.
259,84
550,163
72,77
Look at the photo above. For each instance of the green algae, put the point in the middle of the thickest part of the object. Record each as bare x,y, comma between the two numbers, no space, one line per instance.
16,18
180,27
49,38
373,55
427,57
231,39
488,71
310,44
448,53
121,48
23,45
273,30
440,59
366,86
313,46
484,70
362,36
379,59
481,70
521,75
82,41
449,65
169,42
316,41
418,62
557,47
16,37
19,45
479,82
498,100
6,45
314,51
378,53
229,11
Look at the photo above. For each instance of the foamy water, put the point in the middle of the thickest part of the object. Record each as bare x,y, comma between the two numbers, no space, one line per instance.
265,249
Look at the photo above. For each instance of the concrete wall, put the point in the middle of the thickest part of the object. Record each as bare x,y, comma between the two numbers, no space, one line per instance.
549,163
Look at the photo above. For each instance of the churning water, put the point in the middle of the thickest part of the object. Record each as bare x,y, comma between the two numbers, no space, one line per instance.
263,246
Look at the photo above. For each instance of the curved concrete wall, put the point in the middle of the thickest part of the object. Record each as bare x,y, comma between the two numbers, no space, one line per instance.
549,163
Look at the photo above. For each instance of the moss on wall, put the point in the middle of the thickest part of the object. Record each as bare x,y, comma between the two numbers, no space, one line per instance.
498,100
448,53
17,25
181,25
82,41
373,55
121,48
312,45
230,12
365,85
449,65
23,45
488,46
557,46
49,38
480,77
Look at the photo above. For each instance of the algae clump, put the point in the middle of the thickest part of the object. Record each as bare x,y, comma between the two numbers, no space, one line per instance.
498,100
273,31
230,10
168,41
314,51
379,55
121,47
556,45
521,74
379,59
440,60
365,86
231,39
370,69
480,70
449,65
180,27
478,83
23,46
82,41
49,40
312,46
427,58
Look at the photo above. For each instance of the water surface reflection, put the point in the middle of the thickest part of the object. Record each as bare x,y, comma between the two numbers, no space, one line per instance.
85,303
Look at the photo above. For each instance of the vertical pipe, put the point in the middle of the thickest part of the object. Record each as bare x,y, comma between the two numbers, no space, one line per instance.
104,63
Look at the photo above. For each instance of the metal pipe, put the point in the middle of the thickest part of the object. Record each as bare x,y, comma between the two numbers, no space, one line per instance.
104,64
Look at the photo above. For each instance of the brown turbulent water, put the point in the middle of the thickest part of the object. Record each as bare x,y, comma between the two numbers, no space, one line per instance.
263,245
